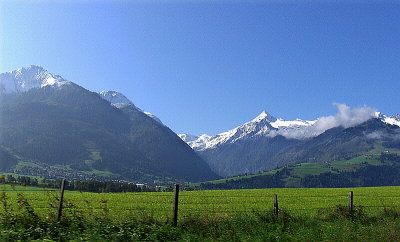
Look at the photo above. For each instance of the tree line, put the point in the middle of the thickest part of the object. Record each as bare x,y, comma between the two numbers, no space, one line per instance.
77,185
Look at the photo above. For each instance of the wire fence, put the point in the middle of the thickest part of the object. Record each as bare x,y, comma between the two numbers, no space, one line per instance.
170,204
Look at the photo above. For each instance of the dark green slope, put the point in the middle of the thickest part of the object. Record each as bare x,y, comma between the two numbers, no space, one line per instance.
161,143
75,128
372,169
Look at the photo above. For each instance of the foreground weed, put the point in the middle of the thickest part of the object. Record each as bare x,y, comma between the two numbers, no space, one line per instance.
342,212
28,215
6,215
392,213
283,217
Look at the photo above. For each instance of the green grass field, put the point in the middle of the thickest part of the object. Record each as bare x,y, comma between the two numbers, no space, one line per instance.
304,201
28,213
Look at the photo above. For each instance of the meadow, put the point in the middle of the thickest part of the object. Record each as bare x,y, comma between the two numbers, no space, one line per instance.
203,215
301,201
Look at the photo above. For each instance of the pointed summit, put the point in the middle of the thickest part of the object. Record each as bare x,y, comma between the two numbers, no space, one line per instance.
31,68
264,116
26,78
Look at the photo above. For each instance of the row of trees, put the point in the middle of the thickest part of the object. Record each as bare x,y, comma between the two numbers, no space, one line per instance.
75,185
21,180
100,186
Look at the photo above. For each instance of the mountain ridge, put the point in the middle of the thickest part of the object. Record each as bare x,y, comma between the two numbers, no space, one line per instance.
265,125
110,119
264,144
34,76
67,130
26,78
119,100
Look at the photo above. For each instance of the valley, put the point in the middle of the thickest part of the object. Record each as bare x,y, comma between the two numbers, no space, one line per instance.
68,131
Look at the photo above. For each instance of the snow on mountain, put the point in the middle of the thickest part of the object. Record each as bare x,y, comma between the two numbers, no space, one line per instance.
392,120
396,118
26,78
188,137
264,124
280,123
116,98
196,142
119,100
154,117
263,116
269,126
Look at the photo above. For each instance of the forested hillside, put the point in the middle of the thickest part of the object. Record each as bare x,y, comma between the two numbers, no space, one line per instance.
70,129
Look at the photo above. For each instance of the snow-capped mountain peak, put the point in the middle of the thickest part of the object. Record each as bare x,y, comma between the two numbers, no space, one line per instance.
263,125
33,76
264,116
26,78
259,124
119,100
116,98
267,125
194,141
392,120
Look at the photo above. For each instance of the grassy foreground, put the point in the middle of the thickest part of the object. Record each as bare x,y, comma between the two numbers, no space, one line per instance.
330,225
28,213
297,201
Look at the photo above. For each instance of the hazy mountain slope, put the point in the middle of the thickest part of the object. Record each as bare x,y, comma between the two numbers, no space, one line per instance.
119,100
164,145
7,159
69,126
247,156
52,124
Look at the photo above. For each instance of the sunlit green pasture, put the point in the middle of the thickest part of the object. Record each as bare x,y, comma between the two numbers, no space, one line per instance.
301,170
119,206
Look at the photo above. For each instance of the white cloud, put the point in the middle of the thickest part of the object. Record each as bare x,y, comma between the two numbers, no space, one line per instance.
346,117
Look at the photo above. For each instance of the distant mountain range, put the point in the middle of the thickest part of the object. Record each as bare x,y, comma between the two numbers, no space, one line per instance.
55,128
266,142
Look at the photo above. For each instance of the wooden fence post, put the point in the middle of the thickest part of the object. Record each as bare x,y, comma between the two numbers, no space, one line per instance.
276,206
61,200
176,201
351,202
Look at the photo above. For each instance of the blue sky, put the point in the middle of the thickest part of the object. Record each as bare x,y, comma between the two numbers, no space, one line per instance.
206,67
